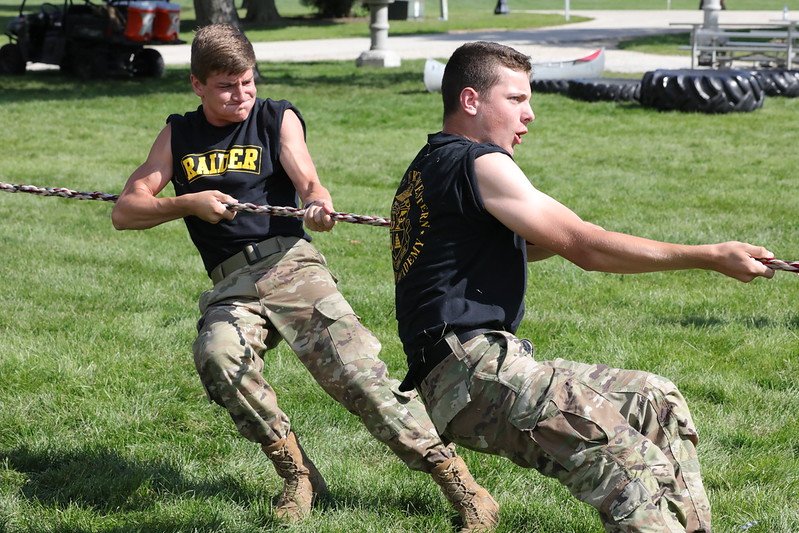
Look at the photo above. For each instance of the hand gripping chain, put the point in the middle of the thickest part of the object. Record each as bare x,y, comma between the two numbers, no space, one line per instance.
774,264
250,208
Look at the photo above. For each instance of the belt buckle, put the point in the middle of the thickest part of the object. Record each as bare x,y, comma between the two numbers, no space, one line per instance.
252,254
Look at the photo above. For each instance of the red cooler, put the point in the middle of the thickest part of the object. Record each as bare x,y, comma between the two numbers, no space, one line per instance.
140,21
167,21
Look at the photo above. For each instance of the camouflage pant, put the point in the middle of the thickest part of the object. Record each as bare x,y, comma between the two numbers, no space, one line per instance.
622,441
291,295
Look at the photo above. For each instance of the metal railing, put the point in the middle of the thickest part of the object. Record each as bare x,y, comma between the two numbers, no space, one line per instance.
718,47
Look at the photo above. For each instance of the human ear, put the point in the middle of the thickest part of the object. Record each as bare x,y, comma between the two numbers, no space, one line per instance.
469,100
196,85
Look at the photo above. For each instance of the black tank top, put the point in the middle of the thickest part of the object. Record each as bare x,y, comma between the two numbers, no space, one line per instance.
241,160
455,265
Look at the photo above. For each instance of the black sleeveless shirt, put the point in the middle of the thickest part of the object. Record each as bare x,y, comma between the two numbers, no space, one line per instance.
455,265
241,160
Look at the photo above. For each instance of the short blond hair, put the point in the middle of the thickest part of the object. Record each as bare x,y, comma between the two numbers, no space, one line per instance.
220,48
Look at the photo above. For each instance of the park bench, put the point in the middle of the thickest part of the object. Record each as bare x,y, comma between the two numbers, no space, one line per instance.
766,45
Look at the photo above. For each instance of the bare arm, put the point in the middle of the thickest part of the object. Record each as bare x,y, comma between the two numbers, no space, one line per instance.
536,253
138,206
296,159
541,220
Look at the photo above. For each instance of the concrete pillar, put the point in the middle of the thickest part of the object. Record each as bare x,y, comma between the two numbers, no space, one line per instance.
709,24
711,9
378,54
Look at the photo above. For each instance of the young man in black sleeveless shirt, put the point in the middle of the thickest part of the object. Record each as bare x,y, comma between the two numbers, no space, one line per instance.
270,283
464,222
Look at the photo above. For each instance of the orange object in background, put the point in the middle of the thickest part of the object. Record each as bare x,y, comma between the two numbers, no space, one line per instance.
167,21
140,21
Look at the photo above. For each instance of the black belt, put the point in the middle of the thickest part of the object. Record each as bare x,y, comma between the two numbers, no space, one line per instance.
426,359
251,254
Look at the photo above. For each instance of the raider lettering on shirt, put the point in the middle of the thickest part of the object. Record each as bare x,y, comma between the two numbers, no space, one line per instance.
217,162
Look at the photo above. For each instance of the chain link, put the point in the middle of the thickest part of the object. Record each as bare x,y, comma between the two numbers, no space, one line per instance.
774,264
250,208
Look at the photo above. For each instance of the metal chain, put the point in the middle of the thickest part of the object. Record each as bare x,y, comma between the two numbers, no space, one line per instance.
774,264
250,208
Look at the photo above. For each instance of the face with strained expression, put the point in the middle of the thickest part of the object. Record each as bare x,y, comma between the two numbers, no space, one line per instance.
226,98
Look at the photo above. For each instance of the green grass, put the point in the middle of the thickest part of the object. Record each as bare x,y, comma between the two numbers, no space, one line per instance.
667,44
103,423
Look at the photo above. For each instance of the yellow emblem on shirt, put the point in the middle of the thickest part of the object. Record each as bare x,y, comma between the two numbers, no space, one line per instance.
217,162
408,205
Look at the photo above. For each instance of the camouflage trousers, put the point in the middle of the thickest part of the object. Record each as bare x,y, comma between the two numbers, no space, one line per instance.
622,441
292,296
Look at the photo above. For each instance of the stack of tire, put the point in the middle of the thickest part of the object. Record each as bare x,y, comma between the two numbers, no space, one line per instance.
592,89
778,81
705,91
687,90
605,90
550,86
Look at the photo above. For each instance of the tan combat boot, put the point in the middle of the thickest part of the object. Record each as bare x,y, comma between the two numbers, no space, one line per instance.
478,510
302,482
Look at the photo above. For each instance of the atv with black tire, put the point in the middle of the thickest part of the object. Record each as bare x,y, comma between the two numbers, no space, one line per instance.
86,40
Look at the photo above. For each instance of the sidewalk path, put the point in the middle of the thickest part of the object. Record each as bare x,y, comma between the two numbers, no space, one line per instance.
553,43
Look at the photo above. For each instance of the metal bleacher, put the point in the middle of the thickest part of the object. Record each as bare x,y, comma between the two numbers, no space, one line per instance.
763,45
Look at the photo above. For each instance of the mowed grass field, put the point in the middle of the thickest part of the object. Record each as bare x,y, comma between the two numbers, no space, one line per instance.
104,426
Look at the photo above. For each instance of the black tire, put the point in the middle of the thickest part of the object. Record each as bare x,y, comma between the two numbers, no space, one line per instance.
148,63
550,86
605,89
705,91
778,81
11,60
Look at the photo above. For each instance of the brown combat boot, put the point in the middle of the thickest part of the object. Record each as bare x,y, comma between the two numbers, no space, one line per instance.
478,510
302,482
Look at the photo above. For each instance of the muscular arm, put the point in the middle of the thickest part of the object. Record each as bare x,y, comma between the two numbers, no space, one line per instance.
138,206
296,159
536,253
541,220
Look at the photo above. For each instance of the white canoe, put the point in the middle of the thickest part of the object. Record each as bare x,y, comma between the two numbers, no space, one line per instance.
590,66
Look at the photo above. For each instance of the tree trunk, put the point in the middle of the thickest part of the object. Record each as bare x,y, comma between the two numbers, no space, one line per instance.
220,11
261,11
216,11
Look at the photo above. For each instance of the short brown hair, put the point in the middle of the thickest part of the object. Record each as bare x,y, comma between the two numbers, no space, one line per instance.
475,65
220,48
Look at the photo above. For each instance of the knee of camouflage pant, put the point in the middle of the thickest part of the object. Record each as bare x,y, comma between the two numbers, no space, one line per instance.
337,349
231,376
363,379
218,359
672,409
338,331
633,508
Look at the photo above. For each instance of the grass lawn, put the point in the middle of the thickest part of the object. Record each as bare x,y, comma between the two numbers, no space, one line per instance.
667,44
104,426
